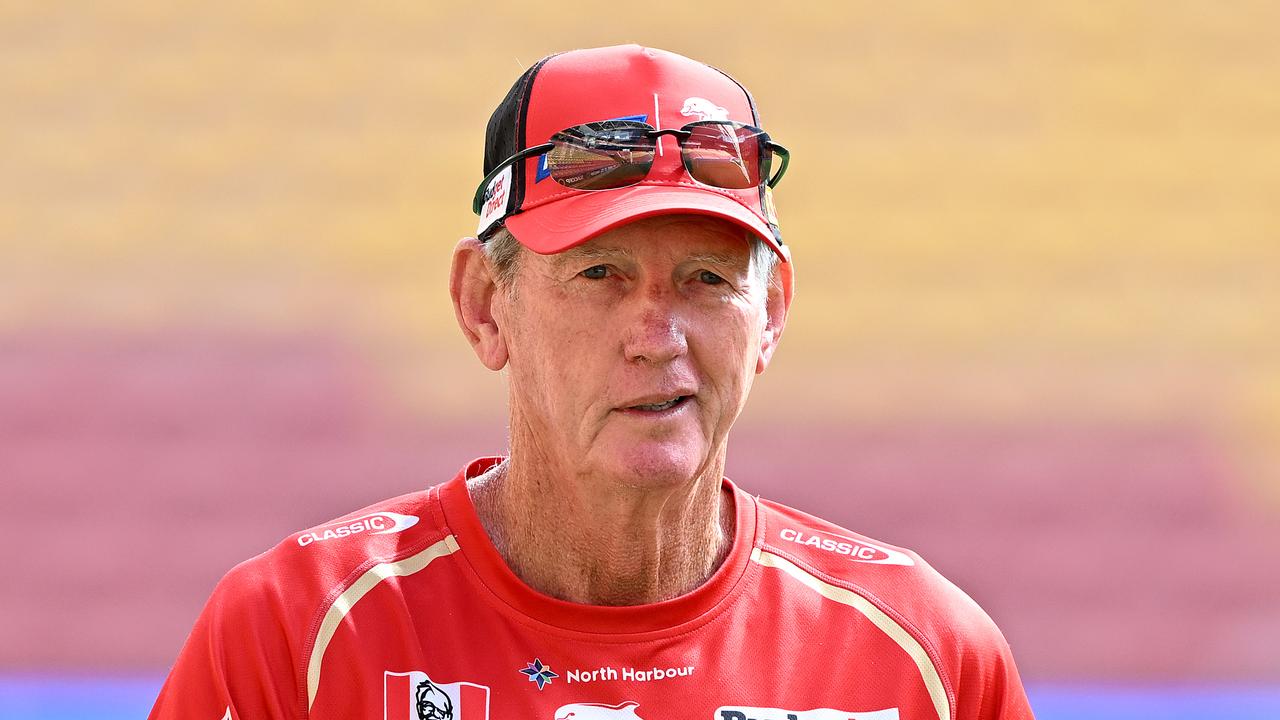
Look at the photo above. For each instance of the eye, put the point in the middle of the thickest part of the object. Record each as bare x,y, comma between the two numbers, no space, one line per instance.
710,278
595,272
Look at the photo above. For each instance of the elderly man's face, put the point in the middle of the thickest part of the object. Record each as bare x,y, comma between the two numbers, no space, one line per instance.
633,354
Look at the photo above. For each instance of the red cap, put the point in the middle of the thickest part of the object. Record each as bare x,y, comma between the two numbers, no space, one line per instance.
660,88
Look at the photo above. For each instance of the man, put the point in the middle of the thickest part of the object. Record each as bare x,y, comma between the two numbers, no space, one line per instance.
629,273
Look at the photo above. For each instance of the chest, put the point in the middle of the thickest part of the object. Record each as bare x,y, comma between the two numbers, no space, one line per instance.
410,653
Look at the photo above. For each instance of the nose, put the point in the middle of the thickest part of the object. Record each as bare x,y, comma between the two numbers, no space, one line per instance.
655,331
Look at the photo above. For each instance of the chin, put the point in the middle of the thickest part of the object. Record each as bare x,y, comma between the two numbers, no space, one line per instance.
655,464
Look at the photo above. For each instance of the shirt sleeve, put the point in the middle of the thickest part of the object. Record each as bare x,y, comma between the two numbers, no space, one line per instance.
988,686
237,663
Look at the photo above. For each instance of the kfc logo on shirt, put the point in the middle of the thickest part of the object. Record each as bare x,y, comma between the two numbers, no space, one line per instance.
414,696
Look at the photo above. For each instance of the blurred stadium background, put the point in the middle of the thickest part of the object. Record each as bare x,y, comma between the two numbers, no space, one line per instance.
1036,335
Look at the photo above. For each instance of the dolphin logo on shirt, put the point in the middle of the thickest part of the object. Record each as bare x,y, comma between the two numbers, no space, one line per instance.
598,711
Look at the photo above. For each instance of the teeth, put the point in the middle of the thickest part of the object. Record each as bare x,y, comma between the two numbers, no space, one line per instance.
659,406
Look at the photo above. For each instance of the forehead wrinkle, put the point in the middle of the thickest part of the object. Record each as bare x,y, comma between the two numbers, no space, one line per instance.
590,252
597,252
714,258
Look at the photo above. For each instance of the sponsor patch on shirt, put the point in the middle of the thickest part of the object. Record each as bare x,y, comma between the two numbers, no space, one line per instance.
598,711
539,673
379,523
414,696
626,674
758,713
855,550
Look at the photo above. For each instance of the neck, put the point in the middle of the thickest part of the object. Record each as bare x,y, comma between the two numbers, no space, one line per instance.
595,541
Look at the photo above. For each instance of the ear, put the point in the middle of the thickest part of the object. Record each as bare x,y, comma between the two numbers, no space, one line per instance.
777,304
474,288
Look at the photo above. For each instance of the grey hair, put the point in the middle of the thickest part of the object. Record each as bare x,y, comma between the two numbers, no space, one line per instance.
504,251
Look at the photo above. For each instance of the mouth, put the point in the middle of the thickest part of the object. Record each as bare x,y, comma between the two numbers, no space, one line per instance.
655,406
660,406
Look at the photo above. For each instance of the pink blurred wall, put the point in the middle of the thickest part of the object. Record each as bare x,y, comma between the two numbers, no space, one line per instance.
1035,335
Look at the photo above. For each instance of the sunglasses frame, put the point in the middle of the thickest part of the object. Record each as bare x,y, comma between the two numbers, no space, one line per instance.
652,133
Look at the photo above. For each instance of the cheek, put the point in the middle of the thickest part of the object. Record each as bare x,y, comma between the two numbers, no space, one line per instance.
551,357
730,347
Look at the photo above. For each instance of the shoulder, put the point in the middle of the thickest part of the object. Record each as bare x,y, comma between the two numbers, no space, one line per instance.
252,647
280,598
291,586
893,580
901,594
306,567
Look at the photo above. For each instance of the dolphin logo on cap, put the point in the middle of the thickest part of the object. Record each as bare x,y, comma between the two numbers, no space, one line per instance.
703,109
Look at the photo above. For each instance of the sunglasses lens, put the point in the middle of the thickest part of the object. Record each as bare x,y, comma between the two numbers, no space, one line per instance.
726,155
601,155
